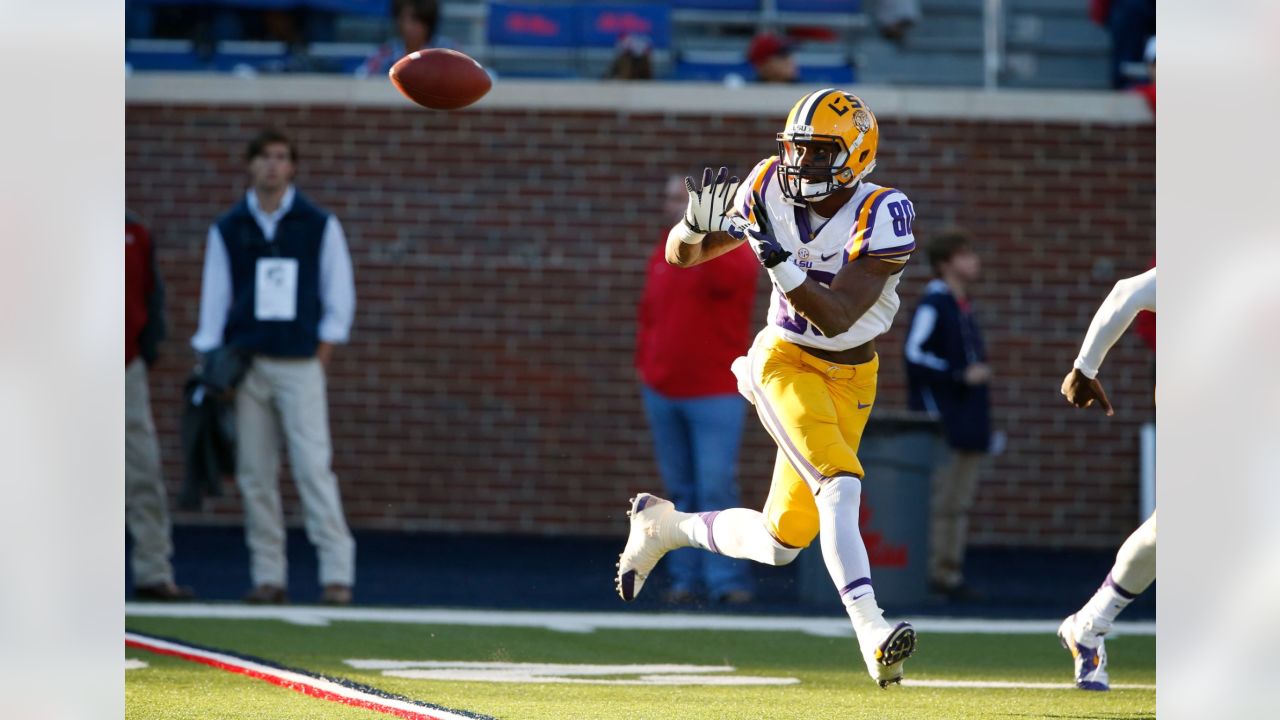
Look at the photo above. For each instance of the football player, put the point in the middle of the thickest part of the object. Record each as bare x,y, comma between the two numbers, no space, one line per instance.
1135,569
834,247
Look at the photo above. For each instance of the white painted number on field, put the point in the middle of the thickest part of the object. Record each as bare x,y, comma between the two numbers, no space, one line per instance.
133,664
502,672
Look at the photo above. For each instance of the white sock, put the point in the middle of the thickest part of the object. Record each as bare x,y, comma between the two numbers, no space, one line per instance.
1133,573
1095,618
1135,567
846,555
736,532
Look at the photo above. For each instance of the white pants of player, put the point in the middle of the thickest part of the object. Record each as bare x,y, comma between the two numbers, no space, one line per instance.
145,503
284,399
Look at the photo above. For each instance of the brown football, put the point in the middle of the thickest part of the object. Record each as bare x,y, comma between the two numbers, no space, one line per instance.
440,79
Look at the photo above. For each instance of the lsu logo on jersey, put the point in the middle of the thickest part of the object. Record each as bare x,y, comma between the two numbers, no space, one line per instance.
802,258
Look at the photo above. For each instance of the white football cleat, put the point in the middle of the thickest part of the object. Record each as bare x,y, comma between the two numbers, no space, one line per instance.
884,659
653,534
1091,663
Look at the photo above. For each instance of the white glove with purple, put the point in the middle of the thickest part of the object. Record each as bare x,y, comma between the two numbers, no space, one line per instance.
708,204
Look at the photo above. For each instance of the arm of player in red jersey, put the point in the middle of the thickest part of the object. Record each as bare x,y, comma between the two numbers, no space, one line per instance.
854,290
1130,296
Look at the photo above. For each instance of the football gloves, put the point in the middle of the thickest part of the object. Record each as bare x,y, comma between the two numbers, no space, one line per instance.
709,203
768,250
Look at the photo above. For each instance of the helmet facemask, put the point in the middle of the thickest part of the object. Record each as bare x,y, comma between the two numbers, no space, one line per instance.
812,167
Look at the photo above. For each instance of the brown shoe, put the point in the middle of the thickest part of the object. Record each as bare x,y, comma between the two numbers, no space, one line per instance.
164,592
267,595
336,595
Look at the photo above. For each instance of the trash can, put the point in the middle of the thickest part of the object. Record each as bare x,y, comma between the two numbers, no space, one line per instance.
898,452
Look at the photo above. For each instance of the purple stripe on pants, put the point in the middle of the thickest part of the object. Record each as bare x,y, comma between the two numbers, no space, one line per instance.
779,433
709,519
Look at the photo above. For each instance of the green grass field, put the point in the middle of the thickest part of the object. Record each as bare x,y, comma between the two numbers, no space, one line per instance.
832,681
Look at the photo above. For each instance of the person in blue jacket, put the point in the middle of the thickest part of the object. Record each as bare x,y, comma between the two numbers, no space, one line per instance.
948,377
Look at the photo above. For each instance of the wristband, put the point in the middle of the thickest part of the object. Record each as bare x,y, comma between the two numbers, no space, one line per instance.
687,234
787,276
1085,369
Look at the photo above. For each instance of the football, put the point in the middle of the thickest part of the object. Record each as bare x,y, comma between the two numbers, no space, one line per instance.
440,79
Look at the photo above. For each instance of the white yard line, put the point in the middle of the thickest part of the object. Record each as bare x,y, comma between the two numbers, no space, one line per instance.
580,622
1005,684
505,672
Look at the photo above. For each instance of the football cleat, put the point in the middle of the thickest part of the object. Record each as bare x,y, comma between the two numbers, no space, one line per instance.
1091,663
884,660
653,534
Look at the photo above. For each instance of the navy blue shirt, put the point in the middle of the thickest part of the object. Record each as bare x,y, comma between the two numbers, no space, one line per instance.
944,339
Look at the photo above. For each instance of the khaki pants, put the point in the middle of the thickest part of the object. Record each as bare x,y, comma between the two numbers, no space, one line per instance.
955,485
284,399
146,509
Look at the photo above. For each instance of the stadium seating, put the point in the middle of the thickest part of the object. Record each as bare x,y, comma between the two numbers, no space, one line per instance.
236,55
712,66
824,6
163,55
532,25
1049,43
603,25
839,73
340,57
745,5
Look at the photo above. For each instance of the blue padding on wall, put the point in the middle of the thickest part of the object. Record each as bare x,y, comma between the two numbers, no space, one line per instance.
532,25
602,25
826,6
717,4
712,72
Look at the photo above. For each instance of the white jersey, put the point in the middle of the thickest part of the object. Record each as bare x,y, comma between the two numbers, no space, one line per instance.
1128,298
876,222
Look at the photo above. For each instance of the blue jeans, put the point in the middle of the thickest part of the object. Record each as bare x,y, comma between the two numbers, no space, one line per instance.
696,442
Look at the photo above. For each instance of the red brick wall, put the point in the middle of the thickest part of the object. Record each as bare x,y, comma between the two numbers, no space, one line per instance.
499,256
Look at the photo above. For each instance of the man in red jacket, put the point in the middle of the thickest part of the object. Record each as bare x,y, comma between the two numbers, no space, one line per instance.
692,324
146,506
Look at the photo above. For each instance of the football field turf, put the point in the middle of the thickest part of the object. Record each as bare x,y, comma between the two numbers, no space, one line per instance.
597,672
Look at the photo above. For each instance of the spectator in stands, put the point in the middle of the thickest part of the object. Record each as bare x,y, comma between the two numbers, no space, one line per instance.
1130,22
146,505
416,23
896,17
948,376
770,55
278,284
633,60
691,326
